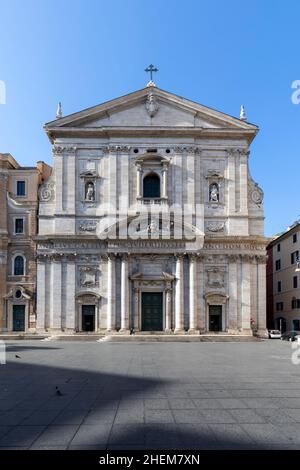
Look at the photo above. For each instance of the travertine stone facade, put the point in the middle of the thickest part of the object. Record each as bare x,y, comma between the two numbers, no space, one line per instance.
104,264
18,226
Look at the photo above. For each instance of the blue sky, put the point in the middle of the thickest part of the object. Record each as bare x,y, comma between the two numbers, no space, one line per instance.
219,53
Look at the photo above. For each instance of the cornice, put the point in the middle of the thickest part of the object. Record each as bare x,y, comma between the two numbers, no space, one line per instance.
151,131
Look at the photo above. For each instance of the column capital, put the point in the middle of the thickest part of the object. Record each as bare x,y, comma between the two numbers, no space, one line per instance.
110,256
233,258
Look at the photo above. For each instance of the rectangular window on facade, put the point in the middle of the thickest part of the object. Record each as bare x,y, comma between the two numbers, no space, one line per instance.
294,238
295,282
278,286
298,303
279,306
21,188
278,264
278,247
19,226
294,257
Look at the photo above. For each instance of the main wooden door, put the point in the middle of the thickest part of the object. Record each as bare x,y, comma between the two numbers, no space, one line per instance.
18,317
152,311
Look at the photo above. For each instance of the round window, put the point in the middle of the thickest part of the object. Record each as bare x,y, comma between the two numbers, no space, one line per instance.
18,294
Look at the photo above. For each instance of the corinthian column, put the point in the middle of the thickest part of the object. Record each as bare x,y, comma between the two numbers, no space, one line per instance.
124,295
179,295
111,294
192,294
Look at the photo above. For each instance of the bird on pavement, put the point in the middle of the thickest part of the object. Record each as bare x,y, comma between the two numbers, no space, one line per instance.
58,392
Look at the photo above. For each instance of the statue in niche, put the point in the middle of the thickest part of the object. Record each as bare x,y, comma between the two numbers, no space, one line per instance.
214,193
90,191
152,227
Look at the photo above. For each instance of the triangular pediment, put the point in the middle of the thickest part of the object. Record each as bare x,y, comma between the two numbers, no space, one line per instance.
149,107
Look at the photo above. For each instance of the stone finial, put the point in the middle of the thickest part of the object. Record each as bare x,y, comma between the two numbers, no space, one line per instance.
151,83
243,116
59,111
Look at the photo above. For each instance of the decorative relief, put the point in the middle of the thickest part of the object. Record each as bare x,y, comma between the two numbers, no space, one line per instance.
59,149
116,149
214,174
88,226
89,276
256,194
89,170
47,191
189,149
215,226
215,259
60,245
152,105
90,258
215,277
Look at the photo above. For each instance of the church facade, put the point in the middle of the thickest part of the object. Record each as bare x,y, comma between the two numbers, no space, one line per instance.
151,221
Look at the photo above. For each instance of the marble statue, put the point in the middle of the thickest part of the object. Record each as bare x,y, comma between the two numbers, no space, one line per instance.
90,192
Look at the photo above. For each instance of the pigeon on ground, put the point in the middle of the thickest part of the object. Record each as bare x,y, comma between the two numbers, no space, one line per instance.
58,392
18,357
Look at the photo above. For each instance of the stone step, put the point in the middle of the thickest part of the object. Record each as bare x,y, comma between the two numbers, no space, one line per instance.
178,338
77,337
16,336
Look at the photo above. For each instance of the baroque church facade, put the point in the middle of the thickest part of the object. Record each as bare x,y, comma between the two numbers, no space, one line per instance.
150,221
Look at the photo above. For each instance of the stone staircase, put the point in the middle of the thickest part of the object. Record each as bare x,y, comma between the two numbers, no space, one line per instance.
185,338
136,337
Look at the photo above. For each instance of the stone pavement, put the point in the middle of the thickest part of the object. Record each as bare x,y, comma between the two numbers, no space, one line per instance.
149,396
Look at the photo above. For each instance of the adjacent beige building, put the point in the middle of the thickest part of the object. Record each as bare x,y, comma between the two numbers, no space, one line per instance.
18,224
284,280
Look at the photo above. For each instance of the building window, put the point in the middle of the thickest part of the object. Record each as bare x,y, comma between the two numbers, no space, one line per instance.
19,226
280,324
278,264
296,325
278,247
295,241
278,286
295,282
295,303
19,266
21,188
151,186
294,257
279,306
18,294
